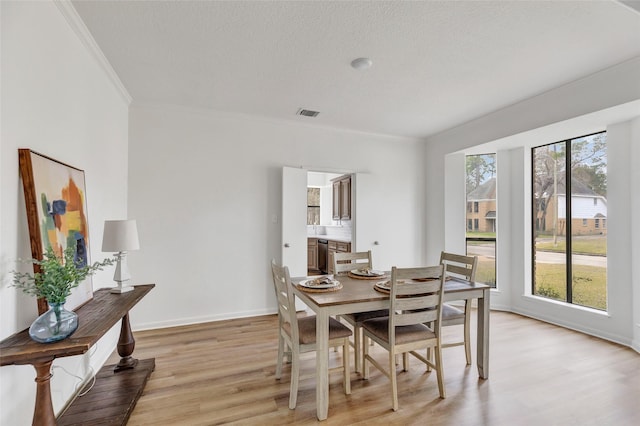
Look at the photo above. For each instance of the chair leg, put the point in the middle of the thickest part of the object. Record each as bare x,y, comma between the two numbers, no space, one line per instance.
347,370
394,380
357,347
440,371
365,353
405,361
295,374
429,357
280,356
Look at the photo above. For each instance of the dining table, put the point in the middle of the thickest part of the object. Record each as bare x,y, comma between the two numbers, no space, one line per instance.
360,295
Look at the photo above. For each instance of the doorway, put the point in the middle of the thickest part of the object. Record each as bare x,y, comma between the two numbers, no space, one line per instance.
324,227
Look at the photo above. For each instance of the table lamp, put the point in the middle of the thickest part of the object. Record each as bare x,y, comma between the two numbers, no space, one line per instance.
120,236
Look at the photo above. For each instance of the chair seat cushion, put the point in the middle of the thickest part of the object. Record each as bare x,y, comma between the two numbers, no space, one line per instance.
359,317
450,312
307,329
404,334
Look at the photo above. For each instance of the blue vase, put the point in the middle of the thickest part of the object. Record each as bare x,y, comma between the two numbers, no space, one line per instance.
54,325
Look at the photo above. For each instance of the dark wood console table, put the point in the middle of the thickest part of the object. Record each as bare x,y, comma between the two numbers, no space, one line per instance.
95,318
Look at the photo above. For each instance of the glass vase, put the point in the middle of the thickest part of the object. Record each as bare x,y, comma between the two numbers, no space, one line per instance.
54,325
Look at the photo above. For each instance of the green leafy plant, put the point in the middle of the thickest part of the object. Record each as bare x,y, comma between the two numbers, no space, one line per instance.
57,276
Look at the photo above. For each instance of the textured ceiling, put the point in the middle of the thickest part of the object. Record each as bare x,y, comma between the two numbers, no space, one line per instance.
435,64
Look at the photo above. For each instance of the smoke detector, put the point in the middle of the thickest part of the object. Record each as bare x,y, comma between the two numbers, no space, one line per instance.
361,64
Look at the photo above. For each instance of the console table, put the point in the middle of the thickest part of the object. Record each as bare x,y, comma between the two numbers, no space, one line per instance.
128,377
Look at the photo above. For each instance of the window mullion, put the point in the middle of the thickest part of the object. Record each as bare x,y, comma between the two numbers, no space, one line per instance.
568,222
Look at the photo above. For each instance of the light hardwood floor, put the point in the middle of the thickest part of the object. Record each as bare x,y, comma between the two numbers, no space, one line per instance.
540,374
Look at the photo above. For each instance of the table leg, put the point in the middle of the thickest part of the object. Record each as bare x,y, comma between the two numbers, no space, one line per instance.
322,364
126,344
483,335
43,413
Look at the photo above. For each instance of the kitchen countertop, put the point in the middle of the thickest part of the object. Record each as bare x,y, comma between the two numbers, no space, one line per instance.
331,238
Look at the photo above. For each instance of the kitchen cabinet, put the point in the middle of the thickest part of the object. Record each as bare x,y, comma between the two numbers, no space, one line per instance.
312,254
336,247
342,198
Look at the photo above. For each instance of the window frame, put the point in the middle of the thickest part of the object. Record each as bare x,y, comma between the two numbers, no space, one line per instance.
568,221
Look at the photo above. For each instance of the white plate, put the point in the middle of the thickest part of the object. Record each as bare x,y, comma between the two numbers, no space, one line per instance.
372,273
310,284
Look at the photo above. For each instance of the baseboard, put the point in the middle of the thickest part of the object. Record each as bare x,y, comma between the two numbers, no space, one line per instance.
201,319
615,338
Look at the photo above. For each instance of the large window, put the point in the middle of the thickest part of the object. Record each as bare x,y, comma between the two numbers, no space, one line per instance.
569,200
481,214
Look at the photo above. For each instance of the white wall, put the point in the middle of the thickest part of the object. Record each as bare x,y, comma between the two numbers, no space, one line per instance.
56,100
205,188
595,103
634,159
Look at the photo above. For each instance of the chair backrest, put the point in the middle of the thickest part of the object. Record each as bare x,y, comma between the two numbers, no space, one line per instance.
345,262
415,297
285,298
459,266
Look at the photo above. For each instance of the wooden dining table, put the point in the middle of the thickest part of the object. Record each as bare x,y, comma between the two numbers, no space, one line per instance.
359,295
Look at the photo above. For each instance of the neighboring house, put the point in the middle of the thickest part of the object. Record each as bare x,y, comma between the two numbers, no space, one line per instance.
588,211
481,208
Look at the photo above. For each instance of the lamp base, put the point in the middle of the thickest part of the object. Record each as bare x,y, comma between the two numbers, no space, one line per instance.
121,289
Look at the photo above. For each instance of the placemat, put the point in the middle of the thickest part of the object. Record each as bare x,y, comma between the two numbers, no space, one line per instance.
320,290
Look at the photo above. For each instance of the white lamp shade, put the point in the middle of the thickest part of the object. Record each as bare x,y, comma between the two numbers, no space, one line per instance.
120,235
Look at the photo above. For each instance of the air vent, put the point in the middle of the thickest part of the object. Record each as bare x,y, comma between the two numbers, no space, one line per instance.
308,112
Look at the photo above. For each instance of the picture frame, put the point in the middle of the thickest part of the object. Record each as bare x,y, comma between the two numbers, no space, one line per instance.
56,207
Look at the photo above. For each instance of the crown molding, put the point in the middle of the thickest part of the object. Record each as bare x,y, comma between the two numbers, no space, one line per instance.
78,26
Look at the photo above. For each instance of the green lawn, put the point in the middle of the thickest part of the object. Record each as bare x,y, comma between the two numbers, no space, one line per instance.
581,245
486,271
589,284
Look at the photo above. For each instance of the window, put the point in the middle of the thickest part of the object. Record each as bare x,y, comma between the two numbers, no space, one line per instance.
481,214
313,206
569,264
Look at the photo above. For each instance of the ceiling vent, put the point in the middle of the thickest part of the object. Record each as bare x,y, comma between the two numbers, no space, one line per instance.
307,112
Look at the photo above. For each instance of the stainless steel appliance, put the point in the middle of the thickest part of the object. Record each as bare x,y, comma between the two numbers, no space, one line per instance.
323,254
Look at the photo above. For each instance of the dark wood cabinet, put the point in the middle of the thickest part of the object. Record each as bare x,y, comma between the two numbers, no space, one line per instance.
312,254
342,198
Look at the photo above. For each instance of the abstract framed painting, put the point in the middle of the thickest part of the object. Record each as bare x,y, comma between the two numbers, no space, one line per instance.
56,204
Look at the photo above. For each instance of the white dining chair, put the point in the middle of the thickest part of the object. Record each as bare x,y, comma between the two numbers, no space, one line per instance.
464,268
342,264
299,334
415,301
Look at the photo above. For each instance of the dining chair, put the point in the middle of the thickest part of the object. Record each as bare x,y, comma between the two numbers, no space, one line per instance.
415,300
342,264
299,334
461,267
